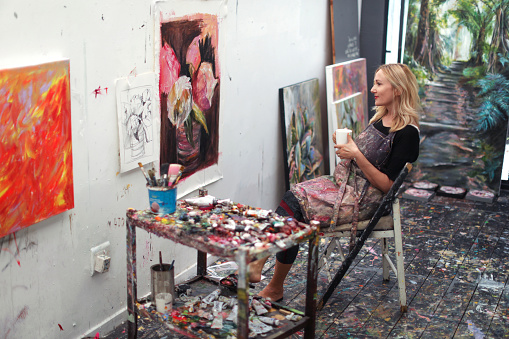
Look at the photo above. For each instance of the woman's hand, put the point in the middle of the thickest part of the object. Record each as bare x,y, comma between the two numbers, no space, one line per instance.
334,138
348,150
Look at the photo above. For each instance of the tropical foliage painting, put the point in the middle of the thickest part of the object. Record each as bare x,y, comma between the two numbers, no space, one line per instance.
36,176
189,91
350,113
458,49
302,132
347,99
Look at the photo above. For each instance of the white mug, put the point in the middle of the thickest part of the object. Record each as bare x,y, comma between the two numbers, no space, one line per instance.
341,136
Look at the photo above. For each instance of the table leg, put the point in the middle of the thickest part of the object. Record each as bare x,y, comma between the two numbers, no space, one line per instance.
201,266
132,319
242,296
311,296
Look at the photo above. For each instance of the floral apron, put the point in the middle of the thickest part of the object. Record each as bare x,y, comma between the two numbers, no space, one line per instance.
336,200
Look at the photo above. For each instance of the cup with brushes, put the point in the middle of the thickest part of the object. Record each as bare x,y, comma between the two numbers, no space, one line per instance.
162,192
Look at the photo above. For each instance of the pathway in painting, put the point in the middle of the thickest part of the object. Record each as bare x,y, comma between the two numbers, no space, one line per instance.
457,269
450,147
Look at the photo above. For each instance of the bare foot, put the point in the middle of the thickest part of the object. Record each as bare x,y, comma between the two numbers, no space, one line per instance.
255,270
271,293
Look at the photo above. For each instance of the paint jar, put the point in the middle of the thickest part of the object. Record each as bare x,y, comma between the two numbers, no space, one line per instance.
162,200
164,302
162,280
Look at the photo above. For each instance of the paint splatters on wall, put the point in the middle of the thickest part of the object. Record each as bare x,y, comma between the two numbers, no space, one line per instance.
99,91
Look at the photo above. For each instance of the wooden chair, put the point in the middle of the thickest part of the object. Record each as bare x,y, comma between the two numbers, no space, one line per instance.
380,227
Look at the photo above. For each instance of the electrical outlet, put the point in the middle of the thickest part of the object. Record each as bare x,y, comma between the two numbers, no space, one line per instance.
100,254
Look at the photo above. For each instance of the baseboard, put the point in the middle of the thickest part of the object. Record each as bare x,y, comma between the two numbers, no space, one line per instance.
119,317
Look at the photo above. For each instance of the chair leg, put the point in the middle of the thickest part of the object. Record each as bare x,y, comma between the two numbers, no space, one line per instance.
400,260
385,263
324,261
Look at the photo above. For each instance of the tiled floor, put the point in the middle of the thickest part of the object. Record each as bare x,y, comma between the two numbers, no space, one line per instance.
457,268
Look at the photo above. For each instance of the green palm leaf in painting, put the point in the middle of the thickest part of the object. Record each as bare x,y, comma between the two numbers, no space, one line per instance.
304,159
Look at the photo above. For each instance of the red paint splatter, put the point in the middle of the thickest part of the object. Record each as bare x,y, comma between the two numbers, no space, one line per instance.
22,314
98,91
61,328
17,249
8,250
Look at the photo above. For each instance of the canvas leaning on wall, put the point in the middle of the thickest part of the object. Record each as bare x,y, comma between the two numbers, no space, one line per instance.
462,69
36,176
302,133
347,100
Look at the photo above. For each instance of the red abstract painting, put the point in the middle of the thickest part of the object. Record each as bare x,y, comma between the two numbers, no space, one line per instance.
36,175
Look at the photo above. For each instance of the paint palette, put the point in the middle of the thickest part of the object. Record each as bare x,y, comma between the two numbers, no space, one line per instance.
418,194
223,226
425,185
452,192
480,196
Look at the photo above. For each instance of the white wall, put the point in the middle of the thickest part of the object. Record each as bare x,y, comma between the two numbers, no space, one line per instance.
269,44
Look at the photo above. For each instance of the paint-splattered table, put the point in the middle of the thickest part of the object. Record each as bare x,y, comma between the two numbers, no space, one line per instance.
228,230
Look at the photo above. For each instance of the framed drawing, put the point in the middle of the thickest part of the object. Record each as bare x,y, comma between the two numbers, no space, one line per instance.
301,129
138,120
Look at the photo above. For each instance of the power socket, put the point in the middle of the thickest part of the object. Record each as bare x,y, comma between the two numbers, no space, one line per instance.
99,255
102,263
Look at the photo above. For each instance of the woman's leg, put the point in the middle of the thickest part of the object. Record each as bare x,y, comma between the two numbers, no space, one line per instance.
284,260
274,290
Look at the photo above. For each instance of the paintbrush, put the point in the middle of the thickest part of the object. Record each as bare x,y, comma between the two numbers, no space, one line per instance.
152,175
171,265
161,260
179,175
164,173
144,173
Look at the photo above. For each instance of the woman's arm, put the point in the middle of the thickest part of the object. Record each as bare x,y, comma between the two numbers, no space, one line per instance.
378,179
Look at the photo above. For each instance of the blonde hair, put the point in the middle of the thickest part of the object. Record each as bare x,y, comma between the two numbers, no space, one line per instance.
407,107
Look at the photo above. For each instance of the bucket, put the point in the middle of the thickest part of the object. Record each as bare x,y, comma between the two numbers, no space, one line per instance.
162,280
162,200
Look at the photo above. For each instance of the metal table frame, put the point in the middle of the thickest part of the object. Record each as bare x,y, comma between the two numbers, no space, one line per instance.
242,256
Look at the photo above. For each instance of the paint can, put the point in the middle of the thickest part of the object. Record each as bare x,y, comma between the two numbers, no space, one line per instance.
162,280
164,302
162,200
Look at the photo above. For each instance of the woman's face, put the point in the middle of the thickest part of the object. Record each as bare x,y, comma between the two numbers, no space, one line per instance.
383,90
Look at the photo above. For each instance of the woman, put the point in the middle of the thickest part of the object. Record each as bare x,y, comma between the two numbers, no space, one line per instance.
369,166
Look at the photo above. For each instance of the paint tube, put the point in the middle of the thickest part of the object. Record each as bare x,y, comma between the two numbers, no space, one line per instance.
224,299
259,309
233,302
269,321
256,326
205,201
233,314
217,322
217,308
205,315
211,297
293,317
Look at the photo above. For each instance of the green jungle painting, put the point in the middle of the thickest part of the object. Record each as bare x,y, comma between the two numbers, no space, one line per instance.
302,133
458,49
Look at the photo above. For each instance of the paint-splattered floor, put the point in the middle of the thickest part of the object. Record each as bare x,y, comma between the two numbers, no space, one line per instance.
457,269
